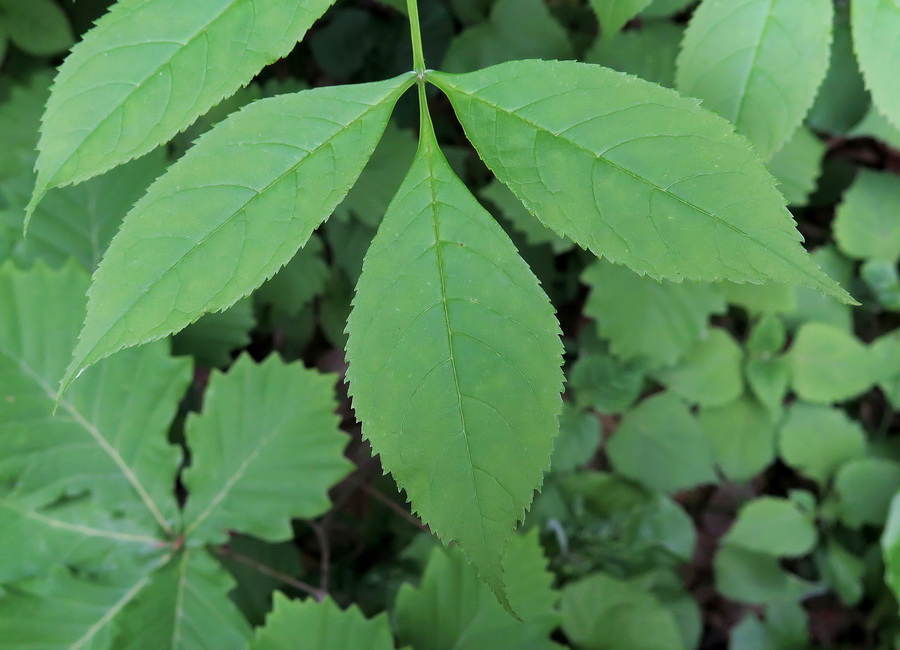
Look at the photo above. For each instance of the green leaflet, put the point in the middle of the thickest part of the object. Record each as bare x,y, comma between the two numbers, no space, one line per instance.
109,432
248,473
308,624
148,69
454,363
876,30
477,621
235,196
184,606
582,147
613,14
757,63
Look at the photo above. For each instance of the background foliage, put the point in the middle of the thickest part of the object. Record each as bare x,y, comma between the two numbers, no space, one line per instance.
728,455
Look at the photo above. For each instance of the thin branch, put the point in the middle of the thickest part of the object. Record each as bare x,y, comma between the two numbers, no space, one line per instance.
393,505
226,551
324,554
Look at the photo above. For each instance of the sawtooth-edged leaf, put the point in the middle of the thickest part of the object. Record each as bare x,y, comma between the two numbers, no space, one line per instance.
632,171
147,70
477,620
454,363
866,226
651,321
64,611
876,30
308,624
266,448
38,27
251,191
184,606
109,433
757,63
613,14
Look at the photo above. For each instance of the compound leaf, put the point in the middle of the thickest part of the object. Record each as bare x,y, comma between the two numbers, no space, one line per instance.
147,70
109,434
185,606
876,30
308,624
251,191
454,363
757,63
478,621
261,455
632,171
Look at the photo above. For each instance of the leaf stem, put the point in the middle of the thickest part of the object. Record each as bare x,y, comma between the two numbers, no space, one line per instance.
227,551
415,33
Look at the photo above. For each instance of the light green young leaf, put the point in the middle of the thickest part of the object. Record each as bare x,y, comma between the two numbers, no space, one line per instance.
769,380
516,29
235,196
817,440
798,165
149,69
830,365
580,146
59,611
454,363
865,487
876,30
261,455
742,435
108,436
601,612
423,615
757,63
613,14
773,526
660,445
308,624
38,27
185,606
648,52
654,322
866,226
711,374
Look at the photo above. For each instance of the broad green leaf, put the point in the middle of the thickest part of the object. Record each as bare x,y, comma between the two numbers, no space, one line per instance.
613,14
797,166
757,63
235,196
757,578
213,338
38,27
601,612
742,435
184,606
77,221
521,219
876,29
817,440
582,147
261,455
773,526
769,380
308,624
767,337
454,363
60,611
648,52
452,609
890,547
866,226
830,365
646,320
865,487
109,433
883,279
842,100
711,374
515,29
147,70
660,445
